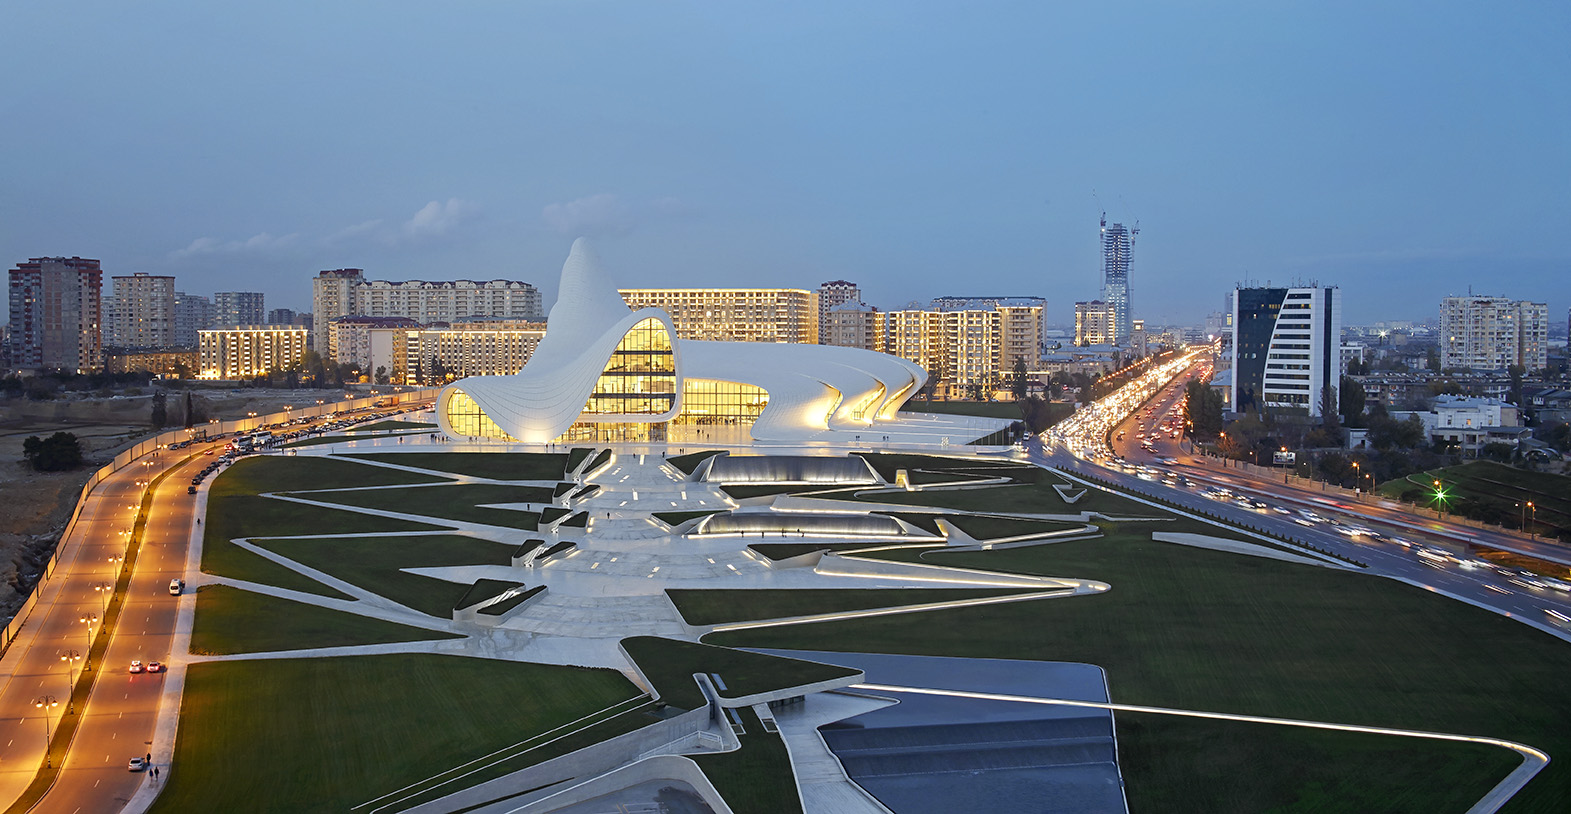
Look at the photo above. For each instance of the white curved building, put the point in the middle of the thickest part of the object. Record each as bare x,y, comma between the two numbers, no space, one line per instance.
606,373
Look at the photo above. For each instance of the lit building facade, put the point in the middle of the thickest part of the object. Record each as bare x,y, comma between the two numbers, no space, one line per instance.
248,351
346,292
831,295
606,371
1493,333
1287,347
143,315
367,342
734,314
853,325
1093,323
179,363
56,314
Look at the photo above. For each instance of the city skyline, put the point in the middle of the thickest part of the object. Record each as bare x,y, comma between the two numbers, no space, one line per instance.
774,148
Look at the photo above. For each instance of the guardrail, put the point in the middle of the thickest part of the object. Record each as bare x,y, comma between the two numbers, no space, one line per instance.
13,627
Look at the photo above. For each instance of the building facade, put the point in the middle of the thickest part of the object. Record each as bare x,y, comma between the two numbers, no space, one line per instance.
1287,348
1093,323
177,363
56,314
248,351
487,347
367,342
143,314
192,315
1118,244
831,295
235,308
787,315
1493,333
853,325
346,292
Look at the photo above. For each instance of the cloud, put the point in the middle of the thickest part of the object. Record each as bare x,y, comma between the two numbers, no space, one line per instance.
255,244
437,218
361,229
593,215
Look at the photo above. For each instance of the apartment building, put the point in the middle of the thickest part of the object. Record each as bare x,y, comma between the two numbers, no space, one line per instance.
734,314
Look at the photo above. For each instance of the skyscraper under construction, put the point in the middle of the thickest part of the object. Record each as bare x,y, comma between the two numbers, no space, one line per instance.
1117,248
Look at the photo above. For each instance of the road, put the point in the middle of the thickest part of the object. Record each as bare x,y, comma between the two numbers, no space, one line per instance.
1477,583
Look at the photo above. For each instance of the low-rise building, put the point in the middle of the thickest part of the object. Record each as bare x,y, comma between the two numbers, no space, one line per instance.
1467,423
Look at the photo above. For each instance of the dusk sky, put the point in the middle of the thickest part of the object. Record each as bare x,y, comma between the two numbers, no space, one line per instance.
1403,151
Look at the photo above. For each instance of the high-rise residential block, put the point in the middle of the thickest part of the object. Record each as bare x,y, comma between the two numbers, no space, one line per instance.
1093,323
56,314
143,315
248,351
345,292
232,309
1118,244
852,325
193,314
1287,348
282,316
734,314
831,295
481,347
1493,333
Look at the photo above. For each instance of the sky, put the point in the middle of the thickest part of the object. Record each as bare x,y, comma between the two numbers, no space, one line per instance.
1403,151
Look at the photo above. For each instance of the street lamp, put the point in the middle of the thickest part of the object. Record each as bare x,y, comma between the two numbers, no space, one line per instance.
71,657
1532,528
104,589
1440,500
46,703
90,620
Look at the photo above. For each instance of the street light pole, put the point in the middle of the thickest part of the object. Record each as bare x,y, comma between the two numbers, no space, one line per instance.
71,657
45,703
89,620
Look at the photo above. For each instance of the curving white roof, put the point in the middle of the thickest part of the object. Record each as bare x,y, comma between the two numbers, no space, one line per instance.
814,391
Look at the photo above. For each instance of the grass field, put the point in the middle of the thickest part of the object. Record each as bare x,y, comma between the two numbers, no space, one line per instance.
1200,629
229,620
992,528
374,563
1029,498
493,465
1504,486
395,425
339,439
670,664
712,607
234,509
1231,767
755,779
325,735
450,502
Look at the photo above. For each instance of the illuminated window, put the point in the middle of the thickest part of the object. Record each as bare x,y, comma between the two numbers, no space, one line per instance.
640,378
709,401
466,418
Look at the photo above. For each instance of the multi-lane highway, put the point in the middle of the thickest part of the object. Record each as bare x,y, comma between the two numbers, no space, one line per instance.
1422,550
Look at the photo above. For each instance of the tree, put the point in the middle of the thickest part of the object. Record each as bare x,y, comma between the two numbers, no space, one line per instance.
190,417
381,374
1017,378
160,410
1351,402
56,453
1515,397
1328,405
1388,433
1432,359
1204,407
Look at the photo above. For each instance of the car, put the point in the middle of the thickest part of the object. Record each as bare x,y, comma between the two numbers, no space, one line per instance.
155,667
190,490
136,666
137,764
176,587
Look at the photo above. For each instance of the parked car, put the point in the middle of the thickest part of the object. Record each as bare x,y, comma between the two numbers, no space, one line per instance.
176,587
137,764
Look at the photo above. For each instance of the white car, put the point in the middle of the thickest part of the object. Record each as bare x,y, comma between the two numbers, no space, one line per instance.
136,666
137,764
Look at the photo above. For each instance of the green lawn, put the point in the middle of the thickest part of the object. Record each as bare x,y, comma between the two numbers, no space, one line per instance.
374,564
1029,498
757,778
235,510
678,518
325,735
712,607
1192,628
339,439
494,465
461,501
229,620
1504,487
888,463
992,528
1290,769
670,664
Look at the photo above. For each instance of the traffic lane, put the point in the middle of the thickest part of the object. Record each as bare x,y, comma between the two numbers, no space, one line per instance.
96,771
1470,584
